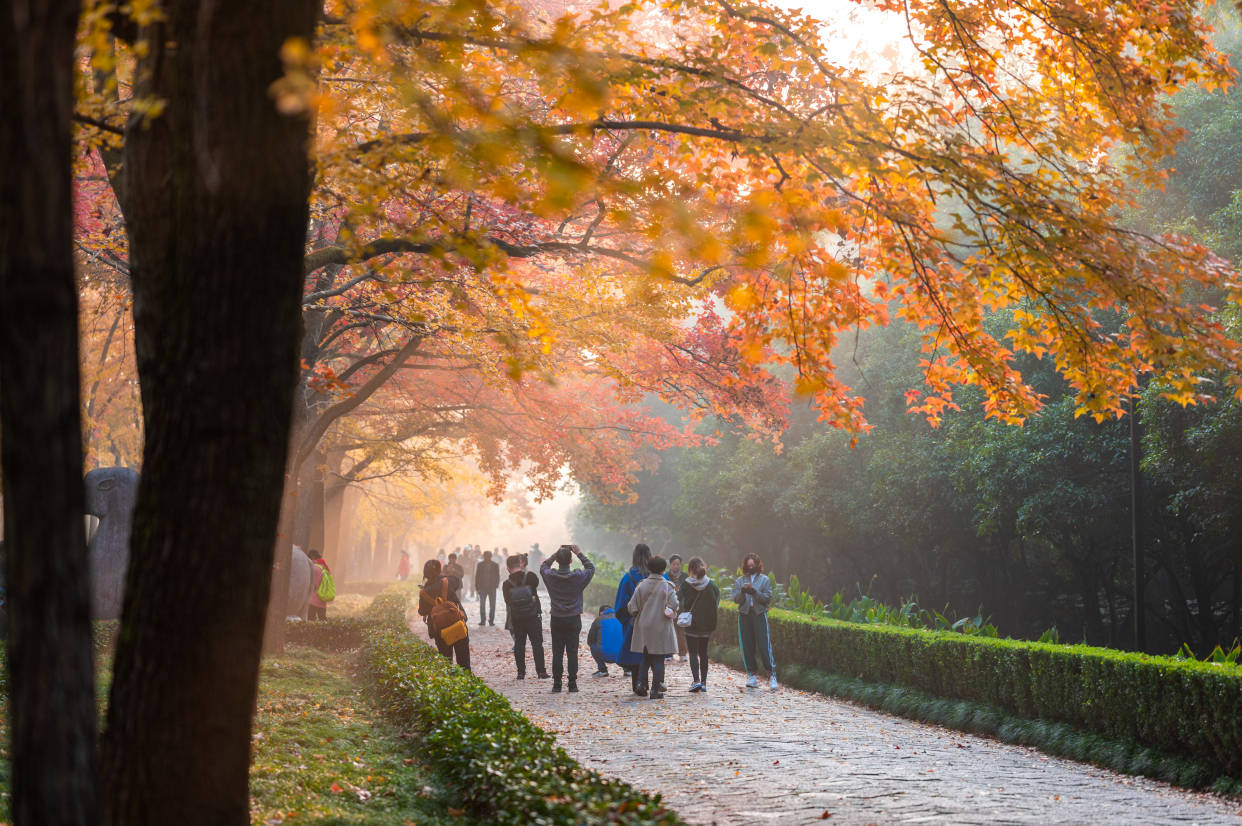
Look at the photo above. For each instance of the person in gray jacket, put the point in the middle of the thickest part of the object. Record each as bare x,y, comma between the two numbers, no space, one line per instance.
565,598
752,592
653,606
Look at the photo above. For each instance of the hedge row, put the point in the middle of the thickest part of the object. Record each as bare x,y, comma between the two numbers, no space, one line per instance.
1186,709
1050,736
387,610
499,766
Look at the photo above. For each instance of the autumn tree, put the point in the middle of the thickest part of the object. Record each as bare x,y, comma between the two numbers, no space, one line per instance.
687,154
50,669
214,192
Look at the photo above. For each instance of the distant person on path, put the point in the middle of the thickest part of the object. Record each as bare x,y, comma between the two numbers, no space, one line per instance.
653,607
627,659
521,593
752,592
439,604
565,610
403,566
677,576
468,562
604,639
453,569
486,581
318,609
700,597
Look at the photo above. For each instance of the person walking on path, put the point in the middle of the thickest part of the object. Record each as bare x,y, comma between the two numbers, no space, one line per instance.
521,594
565,609
604,639
700,597
453,568
752,592
403,566
486,581
677,576
319,569
628,660
653,607
439,604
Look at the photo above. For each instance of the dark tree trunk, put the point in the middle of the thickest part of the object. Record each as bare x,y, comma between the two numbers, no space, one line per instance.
51,681
217,188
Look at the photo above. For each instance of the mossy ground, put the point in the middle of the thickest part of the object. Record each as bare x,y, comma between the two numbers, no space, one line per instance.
323,755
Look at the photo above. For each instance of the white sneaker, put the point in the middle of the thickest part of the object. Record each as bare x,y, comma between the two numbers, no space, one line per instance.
752,681
772,683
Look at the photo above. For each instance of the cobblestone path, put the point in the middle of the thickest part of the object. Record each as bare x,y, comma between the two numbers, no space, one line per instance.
747,756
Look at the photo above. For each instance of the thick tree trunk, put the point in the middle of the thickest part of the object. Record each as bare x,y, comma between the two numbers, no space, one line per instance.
347,568
333,502
51,681
217,188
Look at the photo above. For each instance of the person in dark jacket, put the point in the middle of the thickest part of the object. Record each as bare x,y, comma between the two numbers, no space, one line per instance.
677,576
565,607
486,581
521,594
436,586
595,639
701,598
625,589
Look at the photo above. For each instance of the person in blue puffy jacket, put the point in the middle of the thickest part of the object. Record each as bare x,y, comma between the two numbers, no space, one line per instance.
626,658
604,640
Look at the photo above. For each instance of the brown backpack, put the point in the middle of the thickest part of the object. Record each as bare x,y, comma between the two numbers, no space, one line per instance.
444,616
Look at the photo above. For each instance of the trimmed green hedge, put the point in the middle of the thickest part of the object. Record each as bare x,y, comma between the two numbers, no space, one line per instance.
1185,709
387,610
499,765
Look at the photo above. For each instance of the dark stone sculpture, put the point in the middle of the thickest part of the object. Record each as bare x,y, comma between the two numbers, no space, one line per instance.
110,495
300,579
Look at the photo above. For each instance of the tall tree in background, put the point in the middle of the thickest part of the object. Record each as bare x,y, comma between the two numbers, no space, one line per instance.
51,695
215,197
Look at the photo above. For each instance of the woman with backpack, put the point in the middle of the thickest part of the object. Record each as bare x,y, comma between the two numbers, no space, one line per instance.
653,607
439,606
700,600
626,658
322,592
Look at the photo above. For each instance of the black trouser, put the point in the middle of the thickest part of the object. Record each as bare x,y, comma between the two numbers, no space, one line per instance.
317,612
600,663
653,663
461,649
523,630
698,657
484,596
566,632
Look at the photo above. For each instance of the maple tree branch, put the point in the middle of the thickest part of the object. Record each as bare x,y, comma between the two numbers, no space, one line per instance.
584,127
102,126
320,426
311,298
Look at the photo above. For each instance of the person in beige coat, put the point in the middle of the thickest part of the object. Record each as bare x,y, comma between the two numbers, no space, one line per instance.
653,607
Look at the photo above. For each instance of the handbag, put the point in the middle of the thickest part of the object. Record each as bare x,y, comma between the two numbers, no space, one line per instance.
686,617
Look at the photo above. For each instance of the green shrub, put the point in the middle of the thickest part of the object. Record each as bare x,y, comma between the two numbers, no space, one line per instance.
499,765
387,610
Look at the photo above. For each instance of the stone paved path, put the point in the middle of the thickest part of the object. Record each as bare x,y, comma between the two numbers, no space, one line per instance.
745,756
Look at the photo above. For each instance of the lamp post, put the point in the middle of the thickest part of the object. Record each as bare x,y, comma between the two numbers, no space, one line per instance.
1136,521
